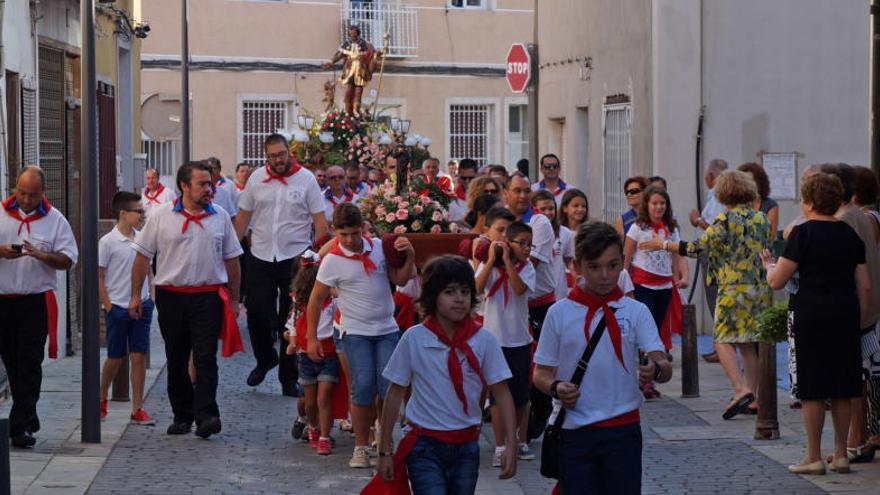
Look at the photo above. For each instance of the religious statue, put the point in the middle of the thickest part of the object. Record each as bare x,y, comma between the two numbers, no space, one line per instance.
329,95
360,63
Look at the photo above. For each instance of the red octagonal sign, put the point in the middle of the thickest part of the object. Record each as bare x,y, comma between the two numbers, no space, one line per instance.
519,65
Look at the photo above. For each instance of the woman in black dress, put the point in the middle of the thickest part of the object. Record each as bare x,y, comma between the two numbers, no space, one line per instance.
823,317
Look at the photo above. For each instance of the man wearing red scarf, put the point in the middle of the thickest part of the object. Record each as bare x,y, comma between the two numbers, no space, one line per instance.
197,280
155,193
458,207
601,440
35,242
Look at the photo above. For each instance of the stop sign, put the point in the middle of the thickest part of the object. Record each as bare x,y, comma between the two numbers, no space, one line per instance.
519,65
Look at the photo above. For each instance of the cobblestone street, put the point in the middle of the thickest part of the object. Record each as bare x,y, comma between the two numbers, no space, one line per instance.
255,453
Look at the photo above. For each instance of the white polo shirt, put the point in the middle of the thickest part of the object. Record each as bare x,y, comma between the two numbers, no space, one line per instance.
365,301
163,195
420,360
281,225
510,323
225,198
330,201
193,258
607,390
656,262
557,193
27,275
546,248
115,256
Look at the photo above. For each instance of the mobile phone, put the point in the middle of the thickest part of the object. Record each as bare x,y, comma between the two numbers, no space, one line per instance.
643,360
17,248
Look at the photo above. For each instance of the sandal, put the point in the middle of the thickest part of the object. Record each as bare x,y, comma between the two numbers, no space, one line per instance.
739,407
861,454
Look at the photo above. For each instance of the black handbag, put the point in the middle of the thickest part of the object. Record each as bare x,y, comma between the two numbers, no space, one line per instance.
551,446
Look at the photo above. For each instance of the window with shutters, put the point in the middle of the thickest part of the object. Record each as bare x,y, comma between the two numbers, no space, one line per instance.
106,102
161,155
258,119
13,156
28,126
52,125
470,132
616,149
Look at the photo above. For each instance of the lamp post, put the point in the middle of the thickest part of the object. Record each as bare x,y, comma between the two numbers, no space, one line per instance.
184,81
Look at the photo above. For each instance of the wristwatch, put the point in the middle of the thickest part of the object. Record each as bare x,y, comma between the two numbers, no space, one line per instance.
553,386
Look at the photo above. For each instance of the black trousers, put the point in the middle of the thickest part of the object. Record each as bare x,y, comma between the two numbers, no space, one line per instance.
268,304
242,263
191,323
23,331
542,404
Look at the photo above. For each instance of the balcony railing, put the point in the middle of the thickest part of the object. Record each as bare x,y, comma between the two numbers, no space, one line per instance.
378,17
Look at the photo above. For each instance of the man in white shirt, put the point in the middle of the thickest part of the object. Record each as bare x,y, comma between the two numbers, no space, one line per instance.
225,194
601,440
155,193
35,242
197,280
281,205
337,192
551,181
702,220
353,181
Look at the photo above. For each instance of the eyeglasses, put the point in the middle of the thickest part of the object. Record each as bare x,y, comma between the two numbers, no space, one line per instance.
335,177
633,192
139,211
492,191
279,155
550,166
353,178
464,178
523,244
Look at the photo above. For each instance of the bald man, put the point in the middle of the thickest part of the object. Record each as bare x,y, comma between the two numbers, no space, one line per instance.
35,242
155,193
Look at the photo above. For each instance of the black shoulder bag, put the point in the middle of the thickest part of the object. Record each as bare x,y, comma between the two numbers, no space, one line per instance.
551,446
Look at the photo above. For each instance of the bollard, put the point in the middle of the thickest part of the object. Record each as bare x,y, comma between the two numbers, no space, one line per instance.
690,377
119,391
767,424
5,472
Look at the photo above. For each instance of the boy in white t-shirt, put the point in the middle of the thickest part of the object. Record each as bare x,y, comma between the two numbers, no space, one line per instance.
601,443
505,289
125,336
360,270
445,361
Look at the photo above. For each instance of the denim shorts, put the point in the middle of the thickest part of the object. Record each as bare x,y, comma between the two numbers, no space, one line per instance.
437,468
125,335
325,370
367,357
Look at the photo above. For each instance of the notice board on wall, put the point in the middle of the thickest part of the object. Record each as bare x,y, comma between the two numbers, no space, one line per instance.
781,169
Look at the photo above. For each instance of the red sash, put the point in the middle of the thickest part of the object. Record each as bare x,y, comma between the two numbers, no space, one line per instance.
502,281
406,315
11,207
464,330
400,484
155,197
270,176
363,257
51,318
545,300
672,319
593,304
229,332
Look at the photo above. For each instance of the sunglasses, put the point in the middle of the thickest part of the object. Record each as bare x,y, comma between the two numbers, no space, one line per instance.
633,192
335,177
490,191
551,166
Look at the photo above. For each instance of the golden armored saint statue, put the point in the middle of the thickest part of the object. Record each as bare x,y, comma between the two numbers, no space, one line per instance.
357,71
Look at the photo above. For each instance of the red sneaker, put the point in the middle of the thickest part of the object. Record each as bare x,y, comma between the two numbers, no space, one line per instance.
104,409
314,436
324,446
140,417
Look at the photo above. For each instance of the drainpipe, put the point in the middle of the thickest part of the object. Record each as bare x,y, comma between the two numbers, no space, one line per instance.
874,130
4,159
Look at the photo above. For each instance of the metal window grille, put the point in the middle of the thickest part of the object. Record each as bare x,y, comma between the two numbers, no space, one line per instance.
467,4
161,155
469,131
377,18
52,124
258,120
616,146
28,126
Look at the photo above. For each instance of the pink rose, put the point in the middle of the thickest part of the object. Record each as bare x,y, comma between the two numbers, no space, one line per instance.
416,226
417,209
380,211
425,200
437,216
400,229
402,215
403,205
435,229
390,218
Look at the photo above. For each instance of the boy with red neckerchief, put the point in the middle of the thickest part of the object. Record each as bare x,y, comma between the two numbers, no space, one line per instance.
601,440
446,361
505,279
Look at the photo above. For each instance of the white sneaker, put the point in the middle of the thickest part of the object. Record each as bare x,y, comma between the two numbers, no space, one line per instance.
496,458
359,458
524,454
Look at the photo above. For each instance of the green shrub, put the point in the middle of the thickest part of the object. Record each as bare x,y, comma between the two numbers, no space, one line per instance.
773,323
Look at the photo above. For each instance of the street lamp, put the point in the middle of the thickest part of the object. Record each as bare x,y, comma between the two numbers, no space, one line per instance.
306,122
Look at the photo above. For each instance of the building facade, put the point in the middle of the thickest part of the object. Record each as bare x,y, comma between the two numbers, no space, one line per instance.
256,66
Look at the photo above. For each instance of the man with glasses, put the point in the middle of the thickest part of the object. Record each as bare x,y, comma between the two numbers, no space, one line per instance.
516,194
353,181
465,173
337,190
281,205
321,177
551,181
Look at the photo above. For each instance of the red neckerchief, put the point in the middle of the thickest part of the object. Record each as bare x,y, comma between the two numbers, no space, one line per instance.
660,229
240,187
346,192
11,207
154,198
363,257
189,217
460,192
294,168
502,280
464,330
593,303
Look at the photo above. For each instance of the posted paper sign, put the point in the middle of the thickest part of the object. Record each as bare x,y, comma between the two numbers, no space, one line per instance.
781,168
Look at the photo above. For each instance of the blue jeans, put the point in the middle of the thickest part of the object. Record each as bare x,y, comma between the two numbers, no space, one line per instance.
367,357
437,468
601,460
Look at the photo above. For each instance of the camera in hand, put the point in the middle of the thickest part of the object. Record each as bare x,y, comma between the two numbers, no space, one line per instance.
18,248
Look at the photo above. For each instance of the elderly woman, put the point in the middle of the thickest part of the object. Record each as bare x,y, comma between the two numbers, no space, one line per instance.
733,243
823,318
